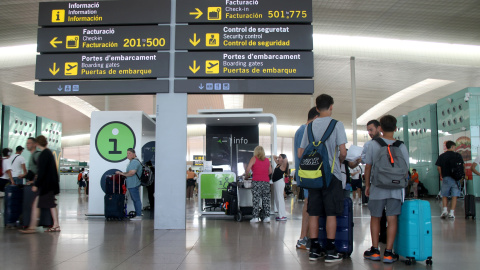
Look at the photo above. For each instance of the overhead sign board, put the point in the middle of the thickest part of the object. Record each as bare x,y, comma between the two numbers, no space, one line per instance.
103,13
102,66
244,11
248,86
110,87
285,64
244,37
103,38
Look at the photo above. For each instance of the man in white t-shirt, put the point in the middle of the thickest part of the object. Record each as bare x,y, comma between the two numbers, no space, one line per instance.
19,170
474,165
6,168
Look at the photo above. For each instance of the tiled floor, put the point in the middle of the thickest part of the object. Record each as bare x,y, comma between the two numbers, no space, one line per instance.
211,243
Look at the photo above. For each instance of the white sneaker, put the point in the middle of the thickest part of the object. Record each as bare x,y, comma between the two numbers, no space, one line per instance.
266,220
254,220
136,218
451,216
444,214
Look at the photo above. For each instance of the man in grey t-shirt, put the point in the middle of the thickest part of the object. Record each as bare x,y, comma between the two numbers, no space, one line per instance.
326,202
389,199
373,129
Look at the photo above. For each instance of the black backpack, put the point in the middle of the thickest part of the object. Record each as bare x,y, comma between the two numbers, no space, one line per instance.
457,170
147,177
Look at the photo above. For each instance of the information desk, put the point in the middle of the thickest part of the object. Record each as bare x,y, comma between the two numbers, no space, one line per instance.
210,187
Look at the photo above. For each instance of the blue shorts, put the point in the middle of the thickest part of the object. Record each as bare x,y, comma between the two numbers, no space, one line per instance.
305,193
450,187
356,184
82,184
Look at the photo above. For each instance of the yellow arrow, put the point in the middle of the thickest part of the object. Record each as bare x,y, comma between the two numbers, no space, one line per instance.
198,13
195,41
55,69
54,41
194,69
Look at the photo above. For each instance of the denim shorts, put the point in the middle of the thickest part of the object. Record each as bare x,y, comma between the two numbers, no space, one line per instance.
450,187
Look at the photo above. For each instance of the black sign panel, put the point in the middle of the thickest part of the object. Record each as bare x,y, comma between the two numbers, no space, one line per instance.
111,87
102,66
285,64
244,11
249,86
104,38
103,13
244,37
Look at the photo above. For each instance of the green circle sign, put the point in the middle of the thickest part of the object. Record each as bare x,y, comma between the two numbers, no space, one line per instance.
113,140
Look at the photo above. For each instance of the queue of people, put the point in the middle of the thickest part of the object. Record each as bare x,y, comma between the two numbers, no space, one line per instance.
41,174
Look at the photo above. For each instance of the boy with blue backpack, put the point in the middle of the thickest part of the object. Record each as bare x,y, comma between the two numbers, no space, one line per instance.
386,176
325,197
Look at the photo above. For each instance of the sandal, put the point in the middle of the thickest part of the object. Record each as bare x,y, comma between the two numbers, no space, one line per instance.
28,231
53,229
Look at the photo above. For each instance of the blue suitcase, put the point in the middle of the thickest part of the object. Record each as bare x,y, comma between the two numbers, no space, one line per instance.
344,235
13,205
414,234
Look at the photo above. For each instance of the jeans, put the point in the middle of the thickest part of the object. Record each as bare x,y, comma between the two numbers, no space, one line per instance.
18,181
135,195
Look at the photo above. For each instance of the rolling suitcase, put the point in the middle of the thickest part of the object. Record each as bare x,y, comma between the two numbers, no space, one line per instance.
115,198
470,209
13,205
414,234
45,220
344,235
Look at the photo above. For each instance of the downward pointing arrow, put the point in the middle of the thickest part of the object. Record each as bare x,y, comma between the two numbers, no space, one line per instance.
194,69
195,41
55,69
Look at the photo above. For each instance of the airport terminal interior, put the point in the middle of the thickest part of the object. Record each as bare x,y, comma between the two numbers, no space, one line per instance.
416,60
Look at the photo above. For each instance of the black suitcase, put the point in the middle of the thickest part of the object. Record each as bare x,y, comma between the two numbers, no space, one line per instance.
364,198
470,210
46,219
115,206
115,198
13,205
301,194
344,235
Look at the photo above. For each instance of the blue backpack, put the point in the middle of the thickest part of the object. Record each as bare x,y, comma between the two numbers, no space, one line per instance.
315,171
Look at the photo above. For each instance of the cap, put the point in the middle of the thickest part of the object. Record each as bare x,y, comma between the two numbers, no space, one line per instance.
19,148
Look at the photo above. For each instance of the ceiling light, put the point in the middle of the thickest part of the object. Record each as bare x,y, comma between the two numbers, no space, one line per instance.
401,97
233,101
15,56
75,102
397,49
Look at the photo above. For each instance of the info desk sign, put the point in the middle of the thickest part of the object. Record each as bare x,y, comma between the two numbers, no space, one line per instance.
103,13
244,11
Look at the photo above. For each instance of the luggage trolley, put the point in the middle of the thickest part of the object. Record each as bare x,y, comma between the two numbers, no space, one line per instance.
245,201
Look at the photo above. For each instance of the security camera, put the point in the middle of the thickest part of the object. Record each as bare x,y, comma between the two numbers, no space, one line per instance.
467,97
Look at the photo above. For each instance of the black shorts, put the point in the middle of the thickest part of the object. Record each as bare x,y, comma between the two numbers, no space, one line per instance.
356,184
326,202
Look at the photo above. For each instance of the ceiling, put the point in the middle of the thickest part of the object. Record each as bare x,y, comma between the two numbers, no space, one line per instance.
380,71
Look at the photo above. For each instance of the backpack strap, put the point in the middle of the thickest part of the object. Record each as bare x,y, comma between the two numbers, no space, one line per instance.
310,132
329,131
397,143
380,141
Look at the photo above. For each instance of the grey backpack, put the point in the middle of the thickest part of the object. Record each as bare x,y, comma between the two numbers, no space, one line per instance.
389,169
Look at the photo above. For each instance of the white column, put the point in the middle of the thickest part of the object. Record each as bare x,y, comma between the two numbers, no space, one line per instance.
170,163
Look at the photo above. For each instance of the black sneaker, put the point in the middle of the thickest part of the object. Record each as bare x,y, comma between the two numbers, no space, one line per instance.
372,254
333,256
316,253
390,257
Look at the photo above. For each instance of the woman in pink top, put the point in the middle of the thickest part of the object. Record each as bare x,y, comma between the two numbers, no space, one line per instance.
260,166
